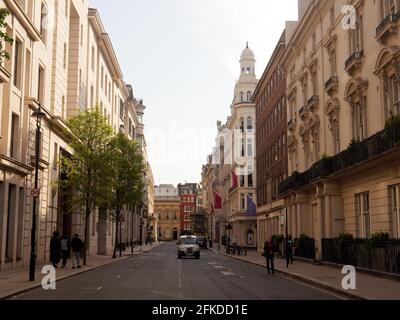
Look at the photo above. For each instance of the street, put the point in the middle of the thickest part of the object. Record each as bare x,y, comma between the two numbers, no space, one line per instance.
160,275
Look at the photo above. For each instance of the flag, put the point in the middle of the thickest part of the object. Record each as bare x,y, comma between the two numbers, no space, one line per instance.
251,207
217,200
235,182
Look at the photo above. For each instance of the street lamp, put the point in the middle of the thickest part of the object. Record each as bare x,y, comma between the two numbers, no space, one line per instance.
229,228
38,114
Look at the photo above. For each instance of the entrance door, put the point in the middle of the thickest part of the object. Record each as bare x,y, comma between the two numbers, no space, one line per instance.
250,238
175,234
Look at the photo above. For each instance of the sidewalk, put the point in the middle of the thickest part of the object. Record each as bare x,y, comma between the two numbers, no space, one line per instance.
369,287
16,281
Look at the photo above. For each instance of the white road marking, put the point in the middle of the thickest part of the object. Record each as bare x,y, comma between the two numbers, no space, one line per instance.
219,267
99,288
227,273
212,263
118,277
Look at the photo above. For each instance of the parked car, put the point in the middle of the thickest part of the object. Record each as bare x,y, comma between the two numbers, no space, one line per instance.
202,242
188,246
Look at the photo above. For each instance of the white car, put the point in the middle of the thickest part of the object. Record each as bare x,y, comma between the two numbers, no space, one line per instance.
187,246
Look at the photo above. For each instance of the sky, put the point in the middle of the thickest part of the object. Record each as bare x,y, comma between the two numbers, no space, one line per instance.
182,58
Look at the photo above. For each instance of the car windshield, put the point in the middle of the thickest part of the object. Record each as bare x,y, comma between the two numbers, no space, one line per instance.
188,241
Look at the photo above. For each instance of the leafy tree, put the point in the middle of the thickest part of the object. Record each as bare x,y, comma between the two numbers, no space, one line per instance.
3,36
88,171
127,183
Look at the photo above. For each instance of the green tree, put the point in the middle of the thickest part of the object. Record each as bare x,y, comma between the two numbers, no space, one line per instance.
4,38
88,171
126,183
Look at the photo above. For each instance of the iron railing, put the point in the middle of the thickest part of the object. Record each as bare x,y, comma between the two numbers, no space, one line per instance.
391,18
305,248
379,255
355,57
366,150
333,81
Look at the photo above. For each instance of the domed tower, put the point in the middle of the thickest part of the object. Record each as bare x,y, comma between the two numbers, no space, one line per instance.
247,82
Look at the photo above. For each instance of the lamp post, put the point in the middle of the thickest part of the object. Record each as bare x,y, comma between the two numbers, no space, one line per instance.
38,114
287,239
229,228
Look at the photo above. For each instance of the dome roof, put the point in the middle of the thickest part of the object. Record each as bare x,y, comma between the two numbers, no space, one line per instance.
247,54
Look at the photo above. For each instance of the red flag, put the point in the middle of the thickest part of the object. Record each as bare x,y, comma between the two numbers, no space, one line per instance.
235,182
217,200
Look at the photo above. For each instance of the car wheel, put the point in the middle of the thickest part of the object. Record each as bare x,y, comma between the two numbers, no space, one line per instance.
179,256
198,256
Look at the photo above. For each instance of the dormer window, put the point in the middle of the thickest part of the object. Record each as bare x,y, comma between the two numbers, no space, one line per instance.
248,71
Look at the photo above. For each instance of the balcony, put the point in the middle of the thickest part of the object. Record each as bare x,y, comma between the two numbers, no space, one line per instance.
354,62
388,26
292,124
332,85
233,189
368,150
303,112
313,103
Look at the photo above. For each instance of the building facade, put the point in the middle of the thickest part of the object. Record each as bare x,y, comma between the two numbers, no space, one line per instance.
187,195
230,172
343,91
167,208
62,59
271,146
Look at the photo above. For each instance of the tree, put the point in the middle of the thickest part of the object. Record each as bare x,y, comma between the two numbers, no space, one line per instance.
126,183
3,36
88,171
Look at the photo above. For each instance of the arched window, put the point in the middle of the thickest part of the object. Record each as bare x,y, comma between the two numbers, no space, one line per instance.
241,125
241,96
249,123
248,96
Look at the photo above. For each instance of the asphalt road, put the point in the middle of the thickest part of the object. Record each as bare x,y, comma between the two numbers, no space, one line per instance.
159,275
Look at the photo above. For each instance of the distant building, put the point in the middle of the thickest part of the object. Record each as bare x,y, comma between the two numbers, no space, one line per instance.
187,196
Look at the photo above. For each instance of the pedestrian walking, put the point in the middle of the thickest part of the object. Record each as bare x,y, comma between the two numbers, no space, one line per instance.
55,249
76,246
269,254
289,249
65,249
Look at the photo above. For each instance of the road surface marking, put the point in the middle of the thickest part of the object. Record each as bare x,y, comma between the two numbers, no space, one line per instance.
227,273
219,267
99,288
118,277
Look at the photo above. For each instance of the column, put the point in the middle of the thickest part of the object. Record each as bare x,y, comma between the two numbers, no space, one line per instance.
318,230
328,216
299,221
3,221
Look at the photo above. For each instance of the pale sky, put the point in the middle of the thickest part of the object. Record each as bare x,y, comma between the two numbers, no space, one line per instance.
182,58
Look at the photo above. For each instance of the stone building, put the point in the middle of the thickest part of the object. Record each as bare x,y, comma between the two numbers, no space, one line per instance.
271,146
167,209
63,60
342,88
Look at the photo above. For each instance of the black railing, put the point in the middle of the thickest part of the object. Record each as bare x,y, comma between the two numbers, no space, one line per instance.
379,255
333,81
313,100
366,150
305,248
356,56
391,18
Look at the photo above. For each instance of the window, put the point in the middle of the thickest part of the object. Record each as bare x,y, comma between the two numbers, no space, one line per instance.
241,97
43,23
242,202
18,64
102,77
242,181
81,35
389,7
359,120
41,86
249,123
63,107
91,96
363,215
250,182
55,159
394,200
248,96
250,152
14,142
93,58
332,16
65,56
355,36
121,109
